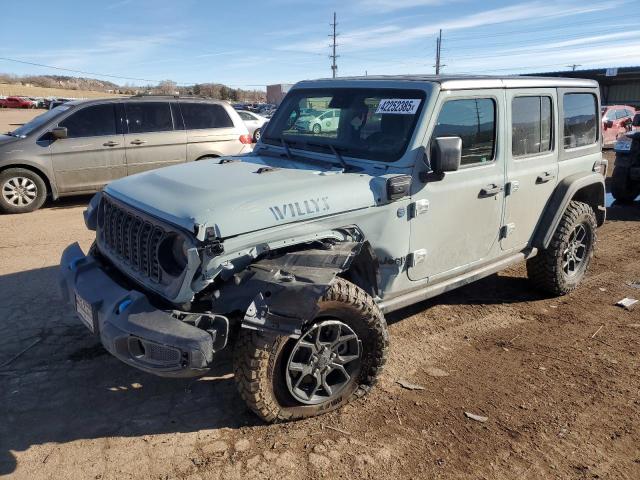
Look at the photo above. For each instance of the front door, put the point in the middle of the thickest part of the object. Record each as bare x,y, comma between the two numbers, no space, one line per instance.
532,162
456,218
156,136
93,153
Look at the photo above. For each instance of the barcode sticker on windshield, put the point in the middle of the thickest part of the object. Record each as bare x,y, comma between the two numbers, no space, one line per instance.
401,106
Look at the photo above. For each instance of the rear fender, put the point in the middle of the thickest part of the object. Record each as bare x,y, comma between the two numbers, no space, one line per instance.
584,187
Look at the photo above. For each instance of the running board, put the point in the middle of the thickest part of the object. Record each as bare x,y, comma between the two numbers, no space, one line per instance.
431,291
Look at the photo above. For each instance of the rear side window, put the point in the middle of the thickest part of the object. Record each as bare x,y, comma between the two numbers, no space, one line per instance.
580,119
530,125
474,121
149,117
93,121
203,115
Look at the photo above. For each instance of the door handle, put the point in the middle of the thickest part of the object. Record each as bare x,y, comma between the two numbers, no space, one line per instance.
110,143
491,190
138,142
545,177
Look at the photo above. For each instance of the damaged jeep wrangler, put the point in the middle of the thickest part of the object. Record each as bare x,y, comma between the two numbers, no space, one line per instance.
409,187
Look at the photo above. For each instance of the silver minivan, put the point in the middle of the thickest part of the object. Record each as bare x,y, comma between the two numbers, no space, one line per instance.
79,147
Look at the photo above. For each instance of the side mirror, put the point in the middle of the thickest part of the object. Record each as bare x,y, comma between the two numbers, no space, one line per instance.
608,124
446,154
59,132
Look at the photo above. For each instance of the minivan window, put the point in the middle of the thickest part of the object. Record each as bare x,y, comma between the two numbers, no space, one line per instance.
92,121
474,121
580,119
39,121
205,115
144,117
530,125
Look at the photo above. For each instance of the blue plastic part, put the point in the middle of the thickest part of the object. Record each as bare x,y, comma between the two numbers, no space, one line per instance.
74,263
123,305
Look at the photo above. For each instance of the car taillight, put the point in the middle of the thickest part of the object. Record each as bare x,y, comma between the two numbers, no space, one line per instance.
246,139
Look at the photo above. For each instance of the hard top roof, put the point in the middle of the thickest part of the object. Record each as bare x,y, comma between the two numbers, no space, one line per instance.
464,82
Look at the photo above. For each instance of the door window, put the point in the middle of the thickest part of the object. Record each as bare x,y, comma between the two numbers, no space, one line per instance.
531,125
149,117
474,121
580,119
92,121
205,115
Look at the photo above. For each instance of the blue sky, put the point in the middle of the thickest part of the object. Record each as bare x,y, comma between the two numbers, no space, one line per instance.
252,43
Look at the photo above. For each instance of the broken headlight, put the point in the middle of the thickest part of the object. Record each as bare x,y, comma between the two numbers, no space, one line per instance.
172,254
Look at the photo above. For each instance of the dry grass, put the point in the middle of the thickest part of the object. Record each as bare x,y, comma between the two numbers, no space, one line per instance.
23,90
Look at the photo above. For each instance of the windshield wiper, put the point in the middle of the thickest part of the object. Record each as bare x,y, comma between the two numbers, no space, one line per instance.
285,145
344,164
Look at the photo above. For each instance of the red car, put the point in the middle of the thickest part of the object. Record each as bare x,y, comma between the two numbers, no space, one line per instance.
16,102
616,121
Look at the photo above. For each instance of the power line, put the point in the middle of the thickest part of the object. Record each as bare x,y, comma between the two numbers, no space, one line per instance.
78,71
333,57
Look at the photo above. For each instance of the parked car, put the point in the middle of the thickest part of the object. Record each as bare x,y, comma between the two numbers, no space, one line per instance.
80,146
318,121
16,102
616,121
293,254
253,122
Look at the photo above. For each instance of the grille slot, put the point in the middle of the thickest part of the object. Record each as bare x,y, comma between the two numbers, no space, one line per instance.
132,239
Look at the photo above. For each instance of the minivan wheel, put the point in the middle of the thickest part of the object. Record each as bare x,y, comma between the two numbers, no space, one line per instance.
21,191
337,359
560,268
257,134
623,188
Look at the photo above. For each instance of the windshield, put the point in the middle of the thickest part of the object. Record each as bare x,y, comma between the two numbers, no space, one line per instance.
39,121
370,123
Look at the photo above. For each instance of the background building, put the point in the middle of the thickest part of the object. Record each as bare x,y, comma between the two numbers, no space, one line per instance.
617,85
275,93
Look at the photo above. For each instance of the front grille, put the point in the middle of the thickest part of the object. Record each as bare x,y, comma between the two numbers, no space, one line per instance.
132,239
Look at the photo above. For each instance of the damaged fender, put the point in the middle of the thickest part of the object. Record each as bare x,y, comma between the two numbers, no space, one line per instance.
286,289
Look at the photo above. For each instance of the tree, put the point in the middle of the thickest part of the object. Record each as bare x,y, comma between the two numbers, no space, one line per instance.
167,87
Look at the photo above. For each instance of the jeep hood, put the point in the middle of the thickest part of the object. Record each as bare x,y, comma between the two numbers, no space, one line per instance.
243,196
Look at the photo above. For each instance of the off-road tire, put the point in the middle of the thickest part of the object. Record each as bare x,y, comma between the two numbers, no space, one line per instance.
41,190
545,269
259,357
622,188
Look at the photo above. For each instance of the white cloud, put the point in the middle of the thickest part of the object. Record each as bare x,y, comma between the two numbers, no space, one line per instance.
393,35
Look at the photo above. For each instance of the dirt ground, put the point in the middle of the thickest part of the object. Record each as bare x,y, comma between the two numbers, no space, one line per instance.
12,118
558,379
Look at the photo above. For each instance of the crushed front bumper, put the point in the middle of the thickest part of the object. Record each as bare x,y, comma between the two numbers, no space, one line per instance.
130,327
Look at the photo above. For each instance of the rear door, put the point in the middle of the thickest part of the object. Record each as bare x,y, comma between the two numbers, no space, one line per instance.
211,130
532,162
456,217
156,136
93,153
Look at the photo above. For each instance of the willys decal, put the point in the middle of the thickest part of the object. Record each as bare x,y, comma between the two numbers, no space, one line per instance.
300,208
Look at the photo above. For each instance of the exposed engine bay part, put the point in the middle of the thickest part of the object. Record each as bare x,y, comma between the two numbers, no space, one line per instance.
285,289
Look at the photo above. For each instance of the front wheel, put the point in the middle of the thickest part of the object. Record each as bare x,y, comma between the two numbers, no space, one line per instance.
560,268
338,358
21,191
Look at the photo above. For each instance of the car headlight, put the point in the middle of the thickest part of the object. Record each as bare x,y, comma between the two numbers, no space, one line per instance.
173,254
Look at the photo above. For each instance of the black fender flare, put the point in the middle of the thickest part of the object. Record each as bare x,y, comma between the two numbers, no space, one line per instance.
586,187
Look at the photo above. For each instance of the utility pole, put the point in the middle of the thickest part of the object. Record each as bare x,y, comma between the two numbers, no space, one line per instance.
333,57
438,49
574,66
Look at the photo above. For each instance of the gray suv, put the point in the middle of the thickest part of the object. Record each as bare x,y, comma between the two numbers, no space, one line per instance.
294,253
81,146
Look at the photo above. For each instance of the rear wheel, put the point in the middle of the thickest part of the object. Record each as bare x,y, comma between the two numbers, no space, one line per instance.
623,188
21,191
337,358
560,268
257,134
317,128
